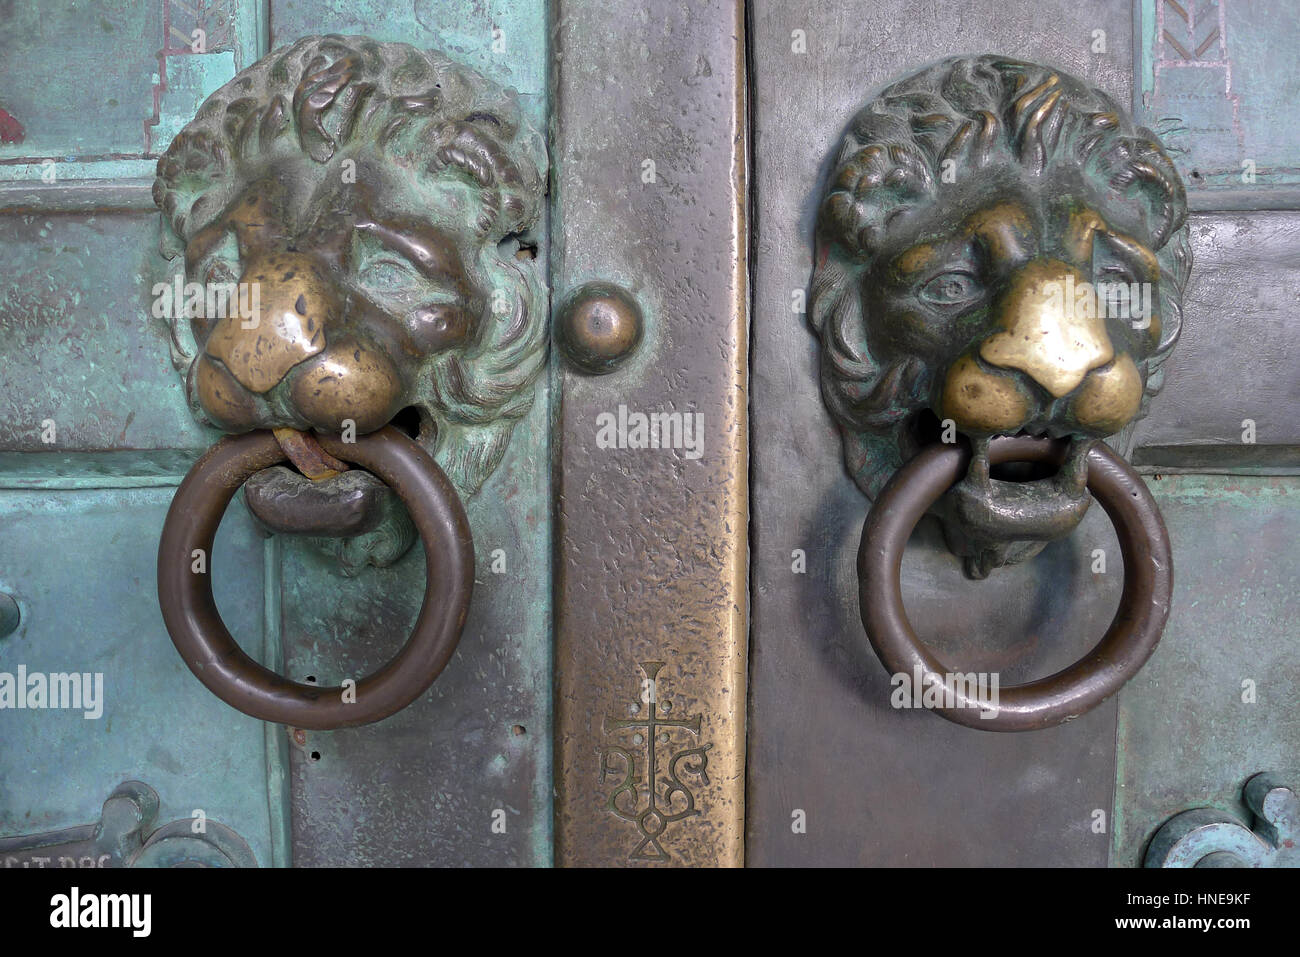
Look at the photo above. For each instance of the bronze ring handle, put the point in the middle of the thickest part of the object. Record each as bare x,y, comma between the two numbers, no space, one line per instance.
1128,642
217,660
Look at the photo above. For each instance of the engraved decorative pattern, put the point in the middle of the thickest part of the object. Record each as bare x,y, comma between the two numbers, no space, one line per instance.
668,799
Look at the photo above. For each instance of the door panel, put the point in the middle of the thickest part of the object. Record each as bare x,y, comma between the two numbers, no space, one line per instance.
1245,265
75,342
463,777
1214,706
81,519
877,785
650,185
78,556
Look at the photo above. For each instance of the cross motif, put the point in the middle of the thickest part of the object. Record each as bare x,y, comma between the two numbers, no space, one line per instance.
675,802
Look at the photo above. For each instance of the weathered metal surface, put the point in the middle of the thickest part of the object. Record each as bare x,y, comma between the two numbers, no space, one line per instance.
127,835
503,39
462,776
140,69
80,372
1205,837
880,786
78,561
1216,703
1228,73
650,193
78,348
1238,357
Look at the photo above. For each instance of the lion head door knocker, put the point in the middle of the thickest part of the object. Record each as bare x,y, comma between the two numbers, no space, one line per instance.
364,207
1000,262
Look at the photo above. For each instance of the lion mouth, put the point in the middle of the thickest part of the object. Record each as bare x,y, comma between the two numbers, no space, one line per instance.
1000,513
318,495
1024,501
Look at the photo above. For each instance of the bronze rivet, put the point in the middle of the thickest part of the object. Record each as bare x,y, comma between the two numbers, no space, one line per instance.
599,327
10,615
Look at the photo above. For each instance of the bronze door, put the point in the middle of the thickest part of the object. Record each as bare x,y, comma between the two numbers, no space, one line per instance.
875,327
532,270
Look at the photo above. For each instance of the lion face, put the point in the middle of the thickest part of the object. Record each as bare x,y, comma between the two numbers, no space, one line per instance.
358,293
999,253
368,199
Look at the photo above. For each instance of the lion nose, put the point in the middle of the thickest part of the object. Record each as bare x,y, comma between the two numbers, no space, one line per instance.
294,302
295,335
1048,327
352,382
1050,330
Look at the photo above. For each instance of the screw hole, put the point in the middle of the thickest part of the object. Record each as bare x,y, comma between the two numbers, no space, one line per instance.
315,755
310,679
518,730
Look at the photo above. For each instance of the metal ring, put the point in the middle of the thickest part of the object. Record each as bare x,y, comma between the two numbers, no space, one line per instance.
1128,642
201,637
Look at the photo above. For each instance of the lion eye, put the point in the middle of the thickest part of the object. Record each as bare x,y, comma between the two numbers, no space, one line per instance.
952,289
390,276
1116,273
438,326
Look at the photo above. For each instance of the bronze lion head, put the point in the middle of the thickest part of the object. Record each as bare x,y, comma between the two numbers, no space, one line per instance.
375,195
999,251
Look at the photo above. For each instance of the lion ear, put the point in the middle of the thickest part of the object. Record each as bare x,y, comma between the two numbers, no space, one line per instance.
828,282
1175,260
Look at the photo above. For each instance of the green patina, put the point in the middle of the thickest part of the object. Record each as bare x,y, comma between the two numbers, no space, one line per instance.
82,513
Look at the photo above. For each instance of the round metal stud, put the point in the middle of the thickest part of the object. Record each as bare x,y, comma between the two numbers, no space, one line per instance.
10,615
598,327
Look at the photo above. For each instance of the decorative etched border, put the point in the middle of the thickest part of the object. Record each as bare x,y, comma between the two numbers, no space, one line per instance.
235,34
1173,36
